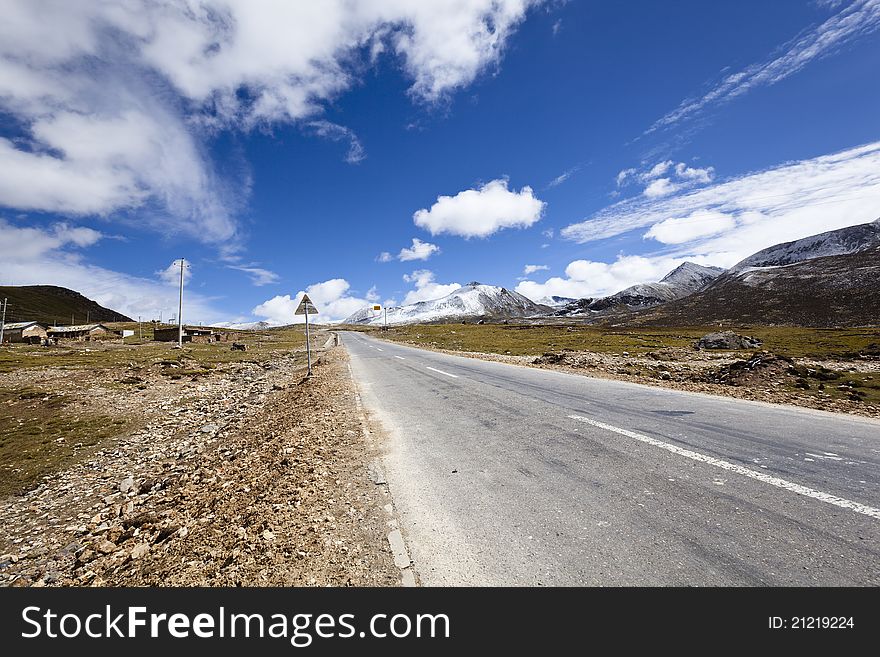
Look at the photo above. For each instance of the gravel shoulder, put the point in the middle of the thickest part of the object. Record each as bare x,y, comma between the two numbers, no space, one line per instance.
252,476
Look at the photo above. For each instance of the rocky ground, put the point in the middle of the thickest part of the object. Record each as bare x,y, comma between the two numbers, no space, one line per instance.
249,476
758,376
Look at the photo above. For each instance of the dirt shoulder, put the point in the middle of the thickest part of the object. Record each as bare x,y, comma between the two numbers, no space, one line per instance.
250,476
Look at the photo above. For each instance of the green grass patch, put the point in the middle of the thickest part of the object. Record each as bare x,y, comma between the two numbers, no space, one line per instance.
39,436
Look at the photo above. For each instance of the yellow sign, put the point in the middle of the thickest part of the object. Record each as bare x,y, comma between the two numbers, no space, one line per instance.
377,307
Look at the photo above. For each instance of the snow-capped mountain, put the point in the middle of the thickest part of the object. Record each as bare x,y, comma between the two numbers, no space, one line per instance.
685,279
555,301
470,301
244,326
835,242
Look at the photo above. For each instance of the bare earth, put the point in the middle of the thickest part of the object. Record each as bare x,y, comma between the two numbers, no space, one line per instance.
251,476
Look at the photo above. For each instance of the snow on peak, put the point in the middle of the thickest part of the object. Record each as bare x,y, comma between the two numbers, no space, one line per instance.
473,300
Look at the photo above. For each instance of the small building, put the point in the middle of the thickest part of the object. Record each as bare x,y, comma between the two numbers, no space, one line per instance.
27,332
81,332
190,334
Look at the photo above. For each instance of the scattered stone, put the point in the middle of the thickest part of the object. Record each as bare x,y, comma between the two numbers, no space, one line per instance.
139,550
126,485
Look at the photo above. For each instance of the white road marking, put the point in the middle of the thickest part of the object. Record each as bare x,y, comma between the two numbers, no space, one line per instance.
400,357
833,457
454,376
378,349
746,472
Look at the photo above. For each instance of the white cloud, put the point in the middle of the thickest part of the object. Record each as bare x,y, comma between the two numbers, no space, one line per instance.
585,278
664,178
624,176
531,269
481,212
258,275
562,177
384,257
700,223
418,251
118,99
337,132
784,203
857,19
171,274
426,287
372,294
331,298
50,256
660,187
694,173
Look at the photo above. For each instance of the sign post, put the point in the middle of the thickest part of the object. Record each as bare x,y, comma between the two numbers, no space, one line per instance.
305,307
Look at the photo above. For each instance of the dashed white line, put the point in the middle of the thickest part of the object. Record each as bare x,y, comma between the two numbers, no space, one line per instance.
434,369
746,472
400,357
379,349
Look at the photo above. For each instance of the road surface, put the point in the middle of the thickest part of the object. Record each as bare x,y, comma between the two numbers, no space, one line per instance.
508,475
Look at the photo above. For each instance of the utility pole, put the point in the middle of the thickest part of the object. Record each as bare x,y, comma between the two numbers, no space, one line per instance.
3,321
180,310
88,315
140,329
386,318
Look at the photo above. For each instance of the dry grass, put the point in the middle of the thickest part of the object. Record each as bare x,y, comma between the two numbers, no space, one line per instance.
534,340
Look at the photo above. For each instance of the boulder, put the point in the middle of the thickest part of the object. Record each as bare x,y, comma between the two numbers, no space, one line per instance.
727,340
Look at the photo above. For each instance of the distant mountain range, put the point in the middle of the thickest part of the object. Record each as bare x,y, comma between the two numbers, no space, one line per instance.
471,301
682,281
51,304
835,242
823,281
830,279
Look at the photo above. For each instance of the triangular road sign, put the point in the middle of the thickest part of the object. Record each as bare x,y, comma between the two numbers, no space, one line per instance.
306,304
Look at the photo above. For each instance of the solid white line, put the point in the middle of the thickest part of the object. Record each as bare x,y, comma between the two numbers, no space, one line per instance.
400,357
454,376
738,469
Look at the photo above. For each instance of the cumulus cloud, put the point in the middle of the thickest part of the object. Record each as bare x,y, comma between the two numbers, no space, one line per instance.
116,100
585,278
660,187
426,287
701,223
171,274
481,212
331,298
418,251
531,269
52,256
730,220
384,257
857,19
664,178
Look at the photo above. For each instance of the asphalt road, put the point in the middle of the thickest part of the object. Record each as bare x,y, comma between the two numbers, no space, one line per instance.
507,475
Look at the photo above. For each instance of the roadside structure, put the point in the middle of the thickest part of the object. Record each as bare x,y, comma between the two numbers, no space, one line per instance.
27,332
81,332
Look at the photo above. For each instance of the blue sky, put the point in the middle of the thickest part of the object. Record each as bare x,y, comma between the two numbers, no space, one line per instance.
283,146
